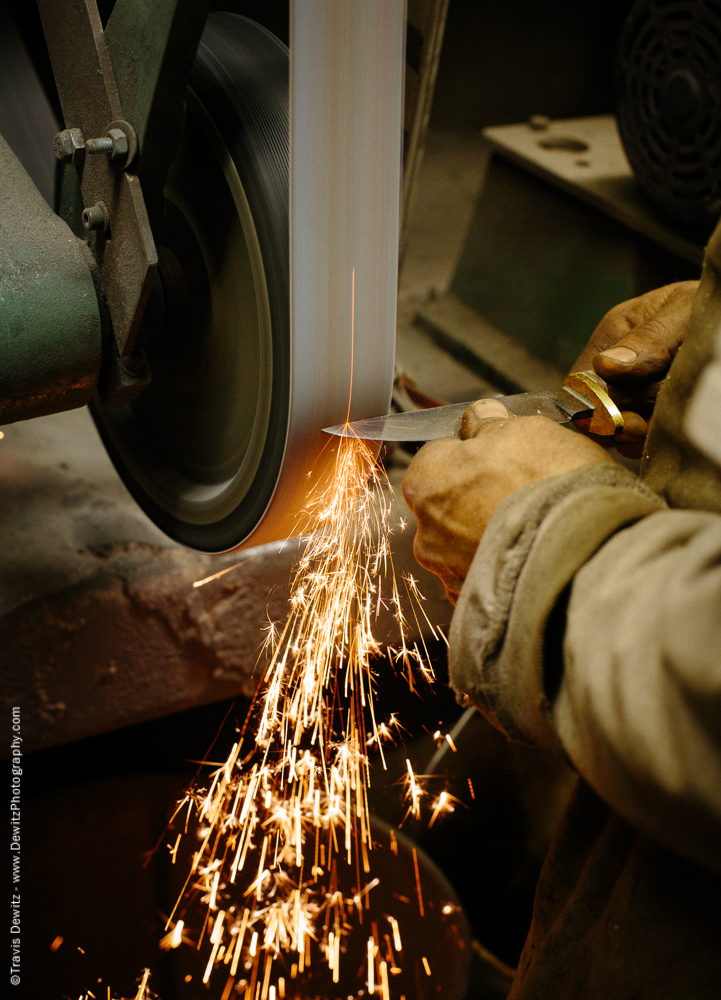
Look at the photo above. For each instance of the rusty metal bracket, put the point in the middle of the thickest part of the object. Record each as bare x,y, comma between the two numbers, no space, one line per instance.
132,78
125,251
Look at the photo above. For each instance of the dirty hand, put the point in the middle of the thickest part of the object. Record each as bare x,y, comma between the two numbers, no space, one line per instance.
632,349
454,485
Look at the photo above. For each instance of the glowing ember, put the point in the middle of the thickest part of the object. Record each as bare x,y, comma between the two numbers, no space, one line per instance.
444,803
290,803
143,991
175,937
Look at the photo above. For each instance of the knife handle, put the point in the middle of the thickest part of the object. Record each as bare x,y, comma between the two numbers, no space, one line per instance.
606,420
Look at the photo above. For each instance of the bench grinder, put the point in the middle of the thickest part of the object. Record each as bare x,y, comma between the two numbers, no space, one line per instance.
224,256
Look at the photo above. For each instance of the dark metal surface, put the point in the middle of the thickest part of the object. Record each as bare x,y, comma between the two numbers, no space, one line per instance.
50,339
27,121
560,405
89,97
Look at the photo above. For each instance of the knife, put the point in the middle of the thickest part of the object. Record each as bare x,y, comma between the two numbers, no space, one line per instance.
582,395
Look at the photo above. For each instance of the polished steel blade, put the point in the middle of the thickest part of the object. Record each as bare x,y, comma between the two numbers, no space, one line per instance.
559,405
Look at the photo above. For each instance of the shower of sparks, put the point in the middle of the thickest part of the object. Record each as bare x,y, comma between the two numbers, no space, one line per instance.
144,992
291,802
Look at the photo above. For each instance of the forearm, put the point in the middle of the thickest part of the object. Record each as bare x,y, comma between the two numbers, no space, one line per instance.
635,695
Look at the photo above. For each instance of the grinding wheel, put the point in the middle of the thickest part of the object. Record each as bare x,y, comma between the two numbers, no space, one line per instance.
202,447
223,446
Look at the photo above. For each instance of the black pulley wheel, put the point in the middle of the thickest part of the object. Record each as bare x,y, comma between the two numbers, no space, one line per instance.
202,447
668,78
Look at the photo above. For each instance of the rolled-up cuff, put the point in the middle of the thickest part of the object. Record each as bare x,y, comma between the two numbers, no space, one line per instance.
535,543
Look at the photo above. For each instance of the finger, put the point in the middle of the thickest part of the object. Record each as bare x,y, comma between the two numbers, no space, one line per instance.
475,417
647,350
621,320
627,316
631,439
635,428
430,551
424,470
612,328
644,354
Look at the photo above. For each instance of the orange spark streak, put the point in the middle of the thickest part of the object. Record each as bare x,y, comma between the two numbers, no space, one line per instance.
418,883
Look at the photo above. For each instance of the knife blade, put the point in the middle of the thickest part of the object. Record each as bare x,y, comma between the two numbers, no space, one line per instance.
583,395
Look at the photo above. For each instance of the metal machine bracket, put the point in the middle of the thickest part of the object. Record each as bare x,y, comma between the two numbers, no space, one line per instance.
122,89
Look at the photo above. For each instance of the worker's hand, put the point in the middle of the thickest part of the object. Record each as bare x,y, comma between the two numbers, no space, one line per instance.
632,349
453,486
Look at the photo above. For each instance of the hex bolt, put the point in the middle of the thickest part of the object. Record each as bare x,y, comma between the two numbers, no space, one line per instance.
96,217
115,144
69,146
95,146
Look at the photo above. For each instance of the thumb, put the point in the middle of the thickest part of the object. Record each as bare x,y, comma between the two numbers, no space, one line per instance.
482,415
646,351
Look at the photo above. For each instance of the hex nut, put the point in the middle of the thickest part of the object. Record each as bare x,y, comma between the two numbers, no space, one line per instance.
69,146
120,144
123,153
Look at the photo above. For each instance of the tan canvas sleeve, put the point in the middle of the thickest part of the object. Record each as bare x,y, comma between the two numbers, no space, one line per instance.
639,708
534,544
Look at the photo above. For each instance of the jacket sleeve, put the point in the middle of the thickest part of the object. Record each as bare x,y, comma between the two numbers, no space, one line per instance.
591,620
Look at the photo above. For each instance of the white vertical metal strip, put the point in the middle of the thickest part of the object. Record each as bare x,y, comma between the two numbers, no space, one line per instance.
347,71
347,59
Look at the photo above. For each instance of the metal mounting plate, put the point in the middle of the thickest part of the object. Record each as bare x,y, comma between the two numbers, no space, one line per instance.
90,101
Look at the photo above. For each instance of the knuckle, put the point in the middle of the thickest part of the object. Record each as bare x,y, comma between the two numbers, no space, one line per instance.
657,330
421,551
410,490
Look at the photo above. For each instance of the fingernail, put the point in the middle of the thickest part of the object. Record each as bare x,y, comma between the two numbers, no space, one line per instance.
623,354
489,408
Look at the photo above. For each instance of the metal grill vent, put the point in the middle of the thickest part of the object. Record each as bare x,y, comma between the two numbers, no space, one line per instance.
668,77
